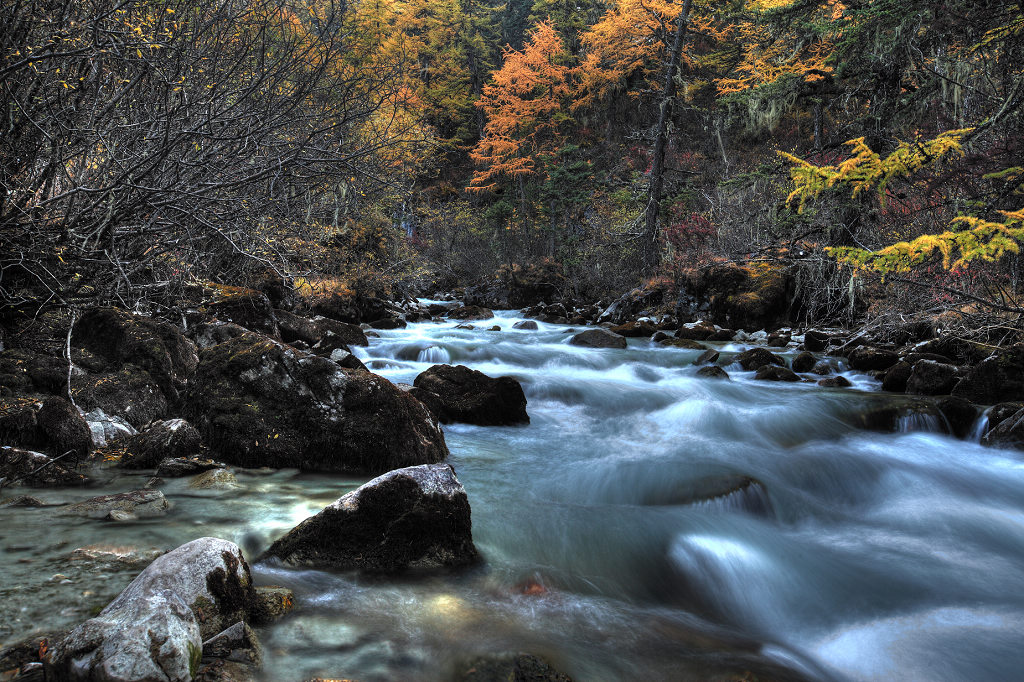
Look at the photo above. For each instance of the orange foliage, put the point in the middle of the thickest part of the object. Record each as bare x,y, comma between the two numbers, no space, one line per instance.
523,107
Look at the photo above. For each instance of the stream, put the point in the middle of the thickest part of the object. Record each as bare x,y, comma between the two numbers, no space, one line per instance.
648,524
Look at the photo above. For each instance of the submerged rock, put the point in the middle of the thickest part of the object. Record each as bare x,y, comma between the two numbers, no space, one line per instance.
460,394
525,324
712,372
177,467
120,507
412,518
598,338
155,629
260,403
214,479
509,668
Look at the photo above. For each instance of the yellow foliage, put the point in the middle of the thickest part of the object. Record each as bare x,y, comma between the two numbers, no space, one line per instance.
866,169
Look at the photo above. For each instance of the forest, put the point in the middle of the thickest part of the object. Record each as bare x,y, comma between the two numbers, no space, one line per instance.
420,146
530,340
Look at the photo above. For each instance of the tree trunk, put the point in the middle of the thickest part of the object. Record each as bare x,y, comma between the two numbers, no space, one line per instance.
651,251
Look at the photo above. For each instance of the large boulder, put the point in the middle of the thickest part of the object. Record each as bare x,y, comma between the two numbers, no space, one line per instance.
261,403
158,348
154,631
868,358
247,308
25,467
931,378
54,426
130,392
598,338
162,440
1008,431
471,312
320,330
633,304
412,518
756,358
460,394
998,378
752,296
635,330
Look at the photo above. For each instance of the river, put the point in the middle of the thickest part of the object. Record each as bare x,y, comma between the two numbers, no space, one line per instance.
648,524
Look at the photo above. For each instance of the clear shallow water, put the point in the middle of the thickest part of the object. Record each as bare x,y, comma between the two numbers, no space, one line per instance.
830,552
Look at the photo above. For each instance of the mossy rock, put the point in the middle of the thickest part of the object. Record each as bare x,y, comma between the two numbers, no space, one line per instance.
258,402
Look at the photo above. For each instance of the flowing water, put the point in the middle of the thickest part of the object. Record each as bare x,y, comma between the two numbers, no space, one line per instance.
647,524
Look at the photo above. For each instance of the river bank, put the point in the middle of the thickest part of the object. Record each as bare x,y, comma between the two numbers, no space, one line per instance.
647,522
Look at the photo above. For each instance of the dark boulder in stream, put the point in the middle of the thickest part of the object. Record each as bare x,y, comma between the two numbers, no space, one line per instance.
412,518
756,358
598,338
155,629
260,403
460,394
998,378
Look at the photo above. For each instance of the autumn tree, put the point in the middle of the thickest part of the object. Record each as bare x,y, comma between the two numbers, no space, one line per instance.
526,118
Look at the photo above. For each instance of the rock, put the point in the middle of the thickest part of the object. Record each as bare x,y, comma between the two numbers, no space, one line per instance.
689,344
237,643
712,372
157,348
598,338
708,357
344,358
22,501
660,336
996,379
931,378
137,504
27,652
815,341
297,328
755,358
775,373
698,331
214,479
389,323
997,413
412,518
804,362
896,377
635,330
510,668
468,396
778,339
722,335
471,312
270,603
210,334
835,382
174,438
54,426
129,392
752,296
1008,433
340,307
179,467
525,324
247,308
633,304
911,358
866,358
106,429
260,403
24,371
553,319
959,414
957,349
155,629
34,469
822,367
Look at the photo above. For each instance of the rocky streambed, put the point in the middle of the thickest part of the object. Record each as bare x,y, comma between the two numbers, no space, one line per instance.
632,517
